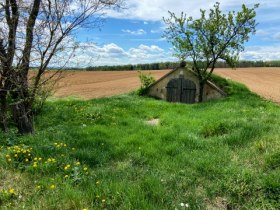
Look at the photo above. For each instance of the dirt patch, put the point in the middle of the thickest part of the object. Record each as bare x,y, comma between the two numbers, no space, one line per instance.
152,122
263,81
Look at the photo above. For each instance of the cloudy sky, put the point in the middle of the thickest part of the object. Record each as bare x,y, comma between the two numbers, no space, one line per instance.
134,35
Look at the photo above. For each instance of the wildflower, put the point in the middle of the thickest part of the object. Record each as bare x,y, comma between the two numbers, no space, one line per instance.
85,169
38,187
66,176
7,156
103,200
78,163
84,208
97,182
39,158
52,186
26,159
35,158
9,160
73,148
12,191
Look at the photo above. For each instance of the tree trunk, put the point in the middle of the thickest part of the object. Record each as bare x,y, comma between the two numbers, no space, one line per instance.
21,106
3,112
201,90
23,117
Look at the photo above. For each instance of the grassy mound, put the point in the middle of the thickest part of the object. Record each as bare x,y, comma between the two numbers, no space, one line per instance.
100,154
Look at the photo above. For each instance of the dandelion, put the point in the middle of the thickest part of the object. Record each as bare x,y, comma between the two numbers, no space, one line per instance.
26,159
7,156
15,155
78,163
97,182
52,186
85,169
66,176
39,158
12,191
84,208
103,200
9,160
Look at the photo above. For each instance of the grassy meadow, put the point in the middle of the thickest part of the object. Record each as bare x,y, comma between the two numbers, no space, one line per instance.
100,154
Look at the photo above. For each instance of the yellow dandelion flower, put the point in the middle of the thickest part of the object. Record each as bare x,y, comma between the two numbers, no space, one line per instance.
26,159
39,158
103,200
66,176
84,208
15,155
12,191
52,186
78,163
35,158
9,160
85,169
7,156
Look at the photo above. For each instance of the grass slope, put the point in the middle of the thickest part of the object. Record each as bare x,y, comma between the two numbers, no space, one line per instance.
100,154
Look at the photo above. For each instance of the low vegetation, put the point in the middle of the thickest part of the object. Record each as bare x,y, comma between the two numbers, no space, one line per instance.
100,154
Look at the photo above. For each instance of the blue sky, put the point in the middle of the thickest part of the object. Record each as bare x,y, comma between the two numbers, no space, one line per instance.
134,35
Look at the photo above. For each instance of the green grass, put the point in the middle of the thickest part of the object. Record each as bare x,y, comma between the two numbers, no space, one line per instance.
223,154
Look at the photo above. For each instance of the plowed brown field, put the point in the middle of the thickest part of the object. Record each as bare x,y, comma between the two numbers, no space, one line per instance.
263,81
87,85
96,84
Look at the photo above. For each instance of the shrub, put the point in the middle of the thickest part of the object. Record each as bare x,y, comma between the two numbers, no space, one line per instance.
146,80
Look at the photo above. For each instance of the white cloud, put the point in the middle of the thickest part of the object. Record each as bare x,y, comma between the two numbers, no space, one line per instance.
261,53
148,10
137,32
90,54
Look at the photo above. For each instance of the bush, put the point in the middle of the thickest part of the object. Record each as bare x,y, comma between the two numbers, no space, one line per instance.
146,80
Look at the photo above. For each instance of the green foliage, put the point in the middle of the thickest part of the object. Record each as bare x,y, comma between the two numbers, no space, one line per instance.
146,80
208,39
132,165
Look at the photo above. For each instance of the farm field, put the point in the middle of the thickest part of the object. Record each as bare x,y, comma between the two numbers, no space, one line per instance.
263,81
88,85
97,84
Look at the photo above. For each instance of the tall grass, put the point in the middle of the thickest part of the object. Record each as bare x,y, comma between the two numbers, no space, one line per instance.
223,154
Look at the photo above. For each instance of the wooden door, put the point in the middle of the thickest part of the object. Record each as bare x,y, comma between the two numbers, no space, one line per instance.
181,90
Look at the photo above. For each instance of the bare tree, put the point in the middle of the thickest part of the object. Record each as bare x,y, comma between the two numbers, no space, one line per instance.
35,33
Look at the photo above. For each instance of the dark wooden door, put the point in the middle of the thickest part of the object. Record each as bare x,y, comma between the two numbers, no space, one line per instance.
181,90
